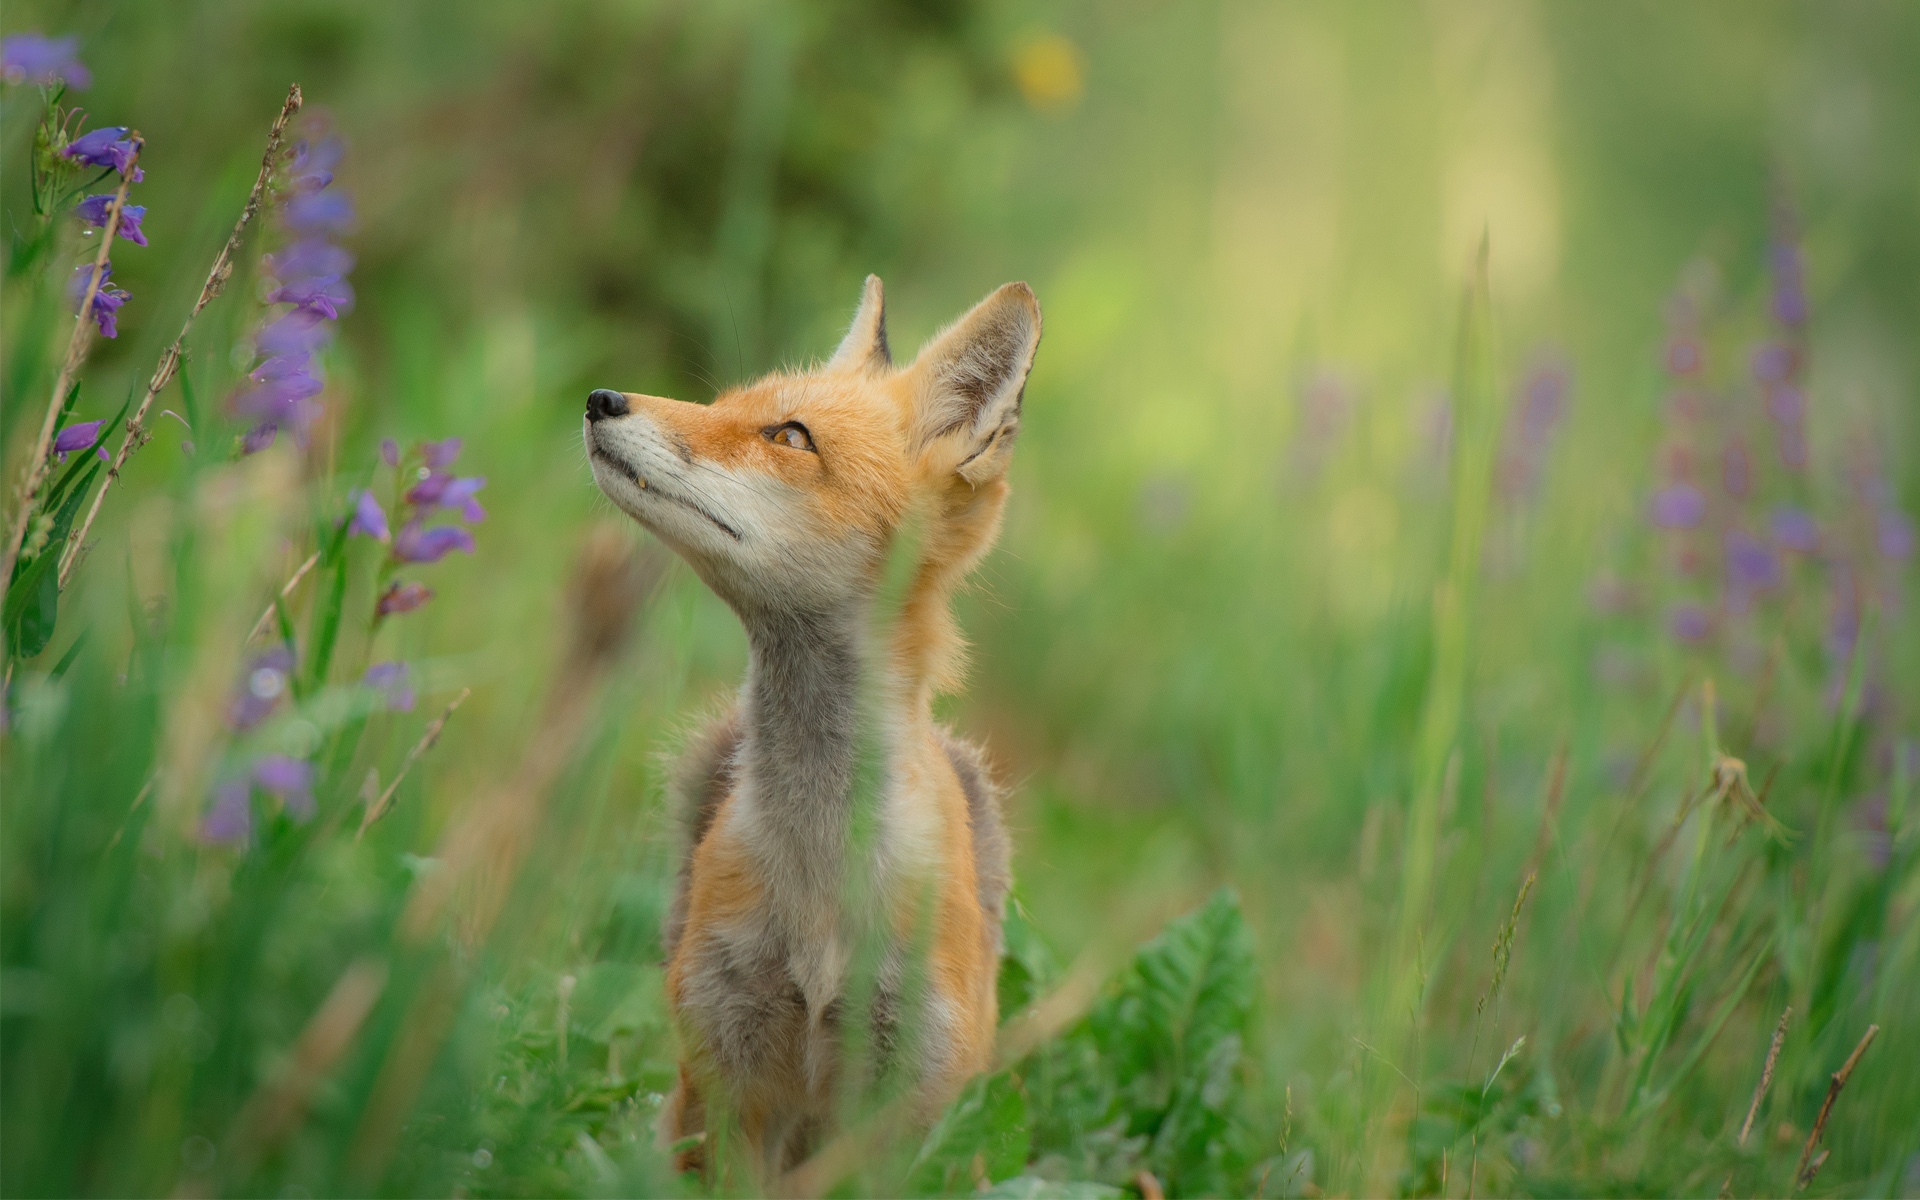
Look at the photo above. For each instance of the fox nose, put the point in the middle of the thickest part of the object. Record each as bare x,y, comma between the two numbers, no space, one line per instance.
604,402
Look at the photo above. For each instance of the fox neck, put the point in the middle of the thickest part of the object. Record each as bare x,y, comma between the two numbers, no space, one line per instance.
800,710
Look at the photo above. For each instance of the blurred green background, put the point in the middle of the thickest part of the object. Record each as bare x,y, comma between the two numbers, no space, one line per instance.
1204,652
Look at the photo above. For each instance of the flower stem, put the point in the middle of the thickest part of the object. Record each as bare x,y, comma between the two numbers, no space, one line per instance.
76,352
136,434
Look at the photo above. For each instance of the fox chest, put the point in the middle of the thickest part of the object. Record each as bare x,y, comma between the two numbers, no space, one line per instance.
769,1013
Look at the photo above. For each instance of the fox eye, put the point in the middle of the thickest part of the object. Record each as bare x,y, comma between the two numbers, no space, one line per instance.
792,434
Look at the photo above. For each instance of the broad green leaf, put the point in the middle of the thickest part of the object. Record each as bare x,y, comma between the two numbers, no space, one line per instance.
981,1136
1032,1187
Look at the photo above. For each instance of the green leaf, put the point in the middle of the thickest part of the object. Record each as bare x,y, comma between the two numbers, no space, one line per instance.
1028,967
981,1136
326,623
1186,992
33,602
1032,1187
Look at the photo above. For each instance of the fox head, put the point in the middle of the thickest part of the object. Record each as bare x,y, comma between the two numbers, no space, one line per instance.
784,495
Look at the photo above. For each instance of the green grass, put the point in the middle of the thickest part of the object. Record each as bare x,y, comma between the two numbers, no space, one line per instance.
1403,844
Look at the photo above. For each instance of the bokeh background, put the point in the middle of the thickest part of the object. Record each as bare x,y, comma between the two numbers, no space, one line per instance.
1205,651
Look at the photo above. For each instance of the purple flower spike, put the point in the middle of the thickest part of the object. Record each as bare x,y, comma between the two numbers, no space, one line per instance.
301,331
318,212
390,452
93,211
314,163
1681,506
266,680
391,680
328,295
76,437
1690,623
230,819
402,598
1786,404
1752,565
107,146
290,779
1736,470
1894,535
36,58
280,774
1684,356
369,519
309,258
1793,448
417,545
460,494
1795,529
106,301
1773,363
440,454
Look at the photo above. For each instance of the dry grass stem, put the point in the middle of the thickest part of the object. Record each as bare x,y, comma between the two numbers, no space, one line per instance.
1766,1076
1149,1186
77,346
1810,1166
482,852
275,1110
136,434
379,807
286,589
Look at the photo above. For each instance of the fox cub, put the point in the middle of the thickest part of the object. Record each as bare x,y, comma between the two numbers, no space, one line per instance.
785,496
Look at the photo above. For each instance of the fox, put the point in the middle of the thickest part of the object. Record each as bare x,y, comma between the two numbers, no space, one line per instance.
786,497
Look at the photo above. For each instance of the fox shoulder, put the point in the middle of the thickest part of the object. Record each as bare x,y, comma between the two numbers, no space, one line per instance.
703,777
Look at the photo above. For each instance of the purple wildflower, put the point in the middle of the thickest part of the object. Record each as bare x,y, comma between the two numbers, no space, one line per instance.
1894,535
106,301
266,679
460,494
402,598
107,146
1684,355
93,211
1774,363
1789,284
1736,469
314,163
328,295
301,331
230,819
415,544
307,259
391,680
78,437
1679,506
1793,448
1795,529
440,454
37,58
288,778
1690,622
390,452
1752,565
259,438
441,490
369,519
318,212
1786,404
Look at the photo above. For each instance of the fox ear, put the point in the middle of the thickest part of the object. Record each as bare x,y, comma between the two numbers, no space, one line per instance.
865,346
971,380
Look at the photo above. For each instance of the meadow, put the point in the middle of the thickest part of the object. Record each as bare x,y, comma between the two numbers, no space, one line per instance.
1450,651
